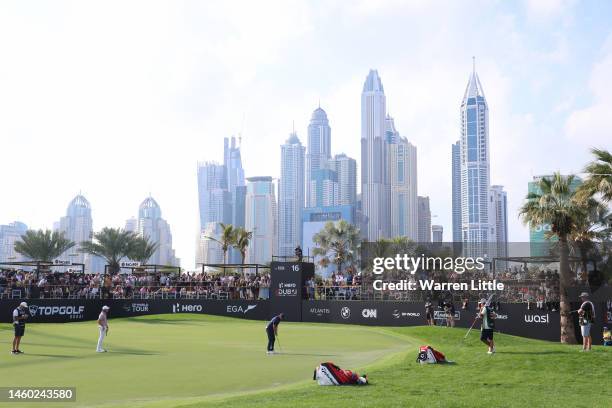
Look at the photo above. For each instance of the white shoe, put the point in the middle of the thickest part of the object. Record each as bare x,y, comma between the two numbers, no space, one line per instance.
100,351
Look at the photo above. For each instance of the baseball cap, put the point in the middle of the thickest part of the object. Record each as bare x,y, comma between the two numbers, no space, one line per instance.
584,294
23,304
105,307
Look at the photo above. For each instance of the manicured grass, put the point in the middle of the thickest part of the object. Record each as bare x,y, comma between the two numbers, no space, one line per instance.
204,361
523,373
178,359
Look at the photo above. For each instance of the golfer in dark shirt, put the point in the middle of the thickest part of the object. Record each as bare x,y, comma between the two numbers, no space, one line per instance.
272,331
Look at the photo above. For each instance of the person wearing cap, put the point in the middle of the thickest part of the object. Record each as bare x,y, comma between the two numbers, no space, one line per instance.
488,325
272,331
20,314
103,327
586,315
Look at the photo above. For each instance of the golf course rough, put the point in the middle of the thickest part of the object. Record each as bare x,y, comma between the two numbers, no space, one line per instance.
207,361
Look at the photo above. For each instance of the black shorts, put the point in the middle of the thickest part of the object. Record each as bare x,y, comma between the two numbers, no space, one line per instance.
428,316
486,334
19,330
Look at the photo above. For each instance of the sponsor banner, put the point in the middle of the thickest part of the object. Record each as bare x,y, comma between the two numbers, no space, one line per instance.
67,310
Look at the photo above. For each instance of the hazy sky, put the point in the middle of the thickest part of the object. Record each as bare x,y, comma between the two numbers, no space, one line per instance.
122,99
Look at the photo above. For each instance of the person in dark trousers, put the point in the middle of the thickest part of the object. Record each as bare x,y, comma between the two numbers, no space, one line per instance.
429,313
272,331
488,316
587,318
298,253
19,317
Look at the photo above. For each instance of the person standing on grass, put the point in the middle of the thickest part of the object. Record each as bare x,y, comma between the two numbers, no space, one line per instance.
272,331
103,327
19,317
587,317
488,324
429,313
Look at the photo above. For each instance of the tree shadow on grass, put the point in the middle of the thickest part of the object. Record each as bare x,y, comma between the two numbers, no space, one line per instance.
135,352
52,355
306,354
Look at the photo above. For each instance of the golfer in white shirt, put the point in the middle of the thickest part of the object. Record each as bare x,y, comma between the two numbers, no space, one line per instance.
103,326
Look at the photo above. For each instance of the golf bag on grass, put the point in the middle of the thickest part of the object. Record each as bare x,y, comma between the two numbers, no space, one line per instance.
330,374
427,355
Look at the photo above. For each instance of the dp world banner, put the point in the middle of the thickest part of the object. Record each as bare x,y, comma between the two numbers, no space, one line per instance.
71,310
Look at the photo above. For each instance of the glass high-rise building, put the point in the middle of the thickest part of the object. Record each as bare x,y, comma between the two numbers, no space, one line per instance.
261,218
375,189
152,226
475,171
346,176
498,214
290,196
319,151
424,222
9,234
402,176
456,191
77,226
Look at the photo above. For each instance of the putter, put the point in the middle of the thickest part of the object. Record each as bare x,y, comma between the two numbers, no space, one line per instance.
279,344
487,303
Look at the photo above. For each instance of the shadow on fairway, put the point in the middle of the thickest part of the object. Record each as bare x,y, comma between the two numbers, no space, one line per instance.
306,354
52,355
134,353
182,322
534,352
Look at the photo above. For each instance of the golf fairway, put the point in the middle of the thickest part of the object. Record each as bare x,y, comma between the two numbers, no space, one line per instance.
176,359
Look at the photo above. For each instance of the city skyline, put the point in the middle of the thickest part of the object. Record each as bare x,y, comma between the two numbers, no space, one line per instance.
180,94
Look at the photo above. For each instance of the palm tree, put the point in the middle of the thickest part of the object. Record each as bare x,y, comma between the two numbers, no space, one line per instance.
557,204
595,226
227,239
42,245
242,241
336,243
142,249
599,173
112,244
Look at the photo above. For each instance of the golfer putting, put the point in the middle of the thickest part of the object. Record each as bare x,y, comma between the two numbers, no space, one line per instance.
272,331
103,327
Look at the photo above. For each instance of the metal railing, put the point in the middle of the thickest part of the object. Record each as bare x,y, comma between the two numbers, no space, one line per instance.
199,290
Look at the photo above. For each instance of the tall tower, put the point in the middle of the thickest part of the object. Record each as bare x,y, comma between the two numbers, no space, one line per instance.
374,186
402,175
424,234
456,191
261,218
319,150
475,172
234,176
290,195
346,171
152,226
77,227
9,234
498,215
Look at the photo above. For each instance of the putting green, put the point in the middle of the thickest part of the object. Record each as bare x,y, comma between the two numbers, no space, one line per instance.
171,360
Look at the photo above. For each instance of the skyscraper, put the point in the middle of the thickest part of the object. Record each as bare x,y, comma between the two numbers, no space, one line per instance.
77,227
456,191
214,196
319,150
346,174
290,195
402,176
234,176
437,233
9,234
261,218
374,186
424,223
152,226
498,214
475,172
